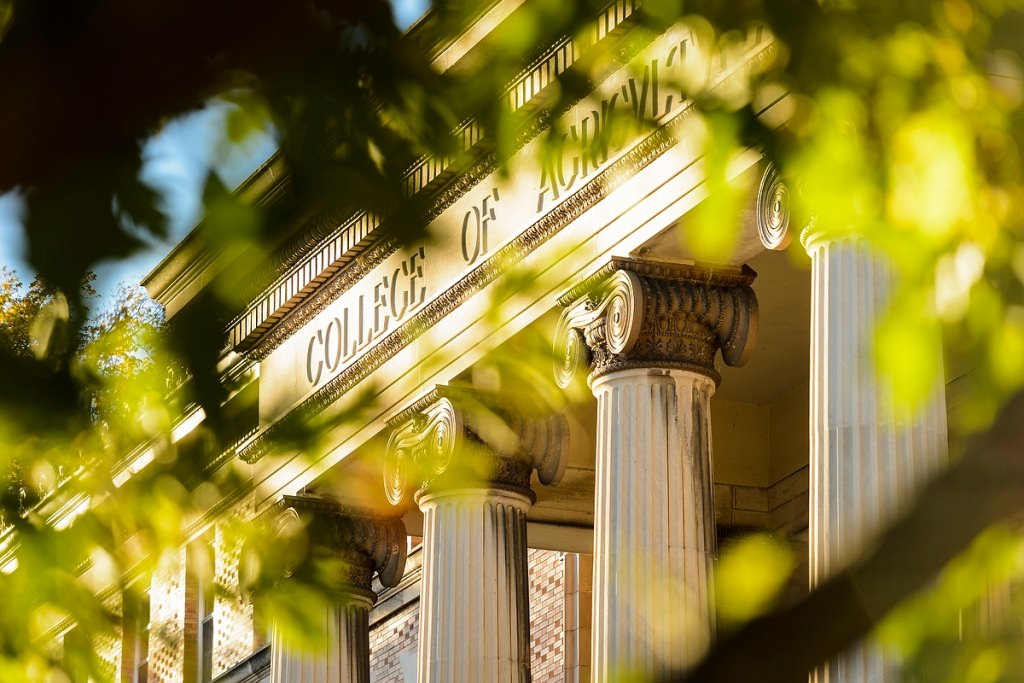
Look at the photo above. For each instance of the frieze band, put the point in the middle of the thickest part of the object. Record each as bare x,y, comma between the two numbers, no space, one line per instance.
616,173
324,229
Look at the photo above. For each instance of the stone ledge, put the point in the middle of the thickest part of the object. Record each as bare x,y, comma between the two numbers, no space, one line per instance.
779,507
255,669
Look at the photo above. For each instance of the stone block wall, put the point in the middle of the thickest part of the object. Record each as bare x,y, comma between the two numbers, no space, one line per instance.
779,507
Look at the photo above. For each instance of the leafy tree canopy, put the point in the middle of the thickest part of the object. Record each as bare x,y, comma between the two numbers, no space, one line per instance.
901,125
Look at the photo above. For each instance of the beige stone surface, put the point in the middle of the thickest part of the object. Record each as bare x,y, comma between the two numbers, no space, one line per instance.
740,432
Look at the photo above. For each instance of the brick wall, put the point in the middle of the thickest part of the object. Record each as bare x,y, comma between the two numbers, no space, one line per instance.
393,643
174,605
232,614
108,645
235,634
167,619
547,615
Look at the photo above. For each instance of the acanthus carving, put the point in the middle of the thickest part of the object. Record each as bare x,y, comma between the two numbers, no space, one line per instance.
638,313
458,437
365,541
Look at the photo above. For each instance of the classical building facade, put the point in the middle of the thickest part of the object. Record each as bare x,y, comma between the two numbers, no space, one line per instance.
486,534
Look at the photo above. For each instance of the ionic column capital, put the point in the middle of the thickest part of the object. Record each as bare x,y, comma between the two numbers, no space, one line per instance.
364,541
640,313
815,235
457,437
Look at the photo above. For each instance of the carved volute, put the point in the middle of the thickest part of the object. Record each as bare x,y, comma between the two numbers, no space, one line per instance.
460,437
640,313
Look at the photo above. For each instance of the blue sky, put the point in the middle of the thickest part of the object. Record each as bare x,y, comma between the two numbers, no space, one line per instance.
176,163
177,160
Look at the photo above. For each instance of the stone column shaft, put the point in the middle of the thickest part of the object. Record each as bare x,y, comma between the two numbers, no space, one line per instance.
469,462
475,588
654,527
649,333
867,458
346,657
357,543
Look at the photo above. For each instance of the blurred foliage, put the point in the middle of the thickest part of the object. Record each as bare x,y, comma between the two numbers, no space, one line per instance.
59,571
749,576
897,123
967,627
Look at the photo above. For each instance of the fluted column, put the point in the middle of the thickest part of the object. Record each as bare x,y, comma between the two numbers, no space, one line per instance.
467,461
355,544
474,549
346,656
648,332
867,458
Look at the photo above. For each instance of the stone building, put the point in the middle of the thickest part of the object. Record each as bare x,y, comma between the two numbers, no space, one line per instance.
573,539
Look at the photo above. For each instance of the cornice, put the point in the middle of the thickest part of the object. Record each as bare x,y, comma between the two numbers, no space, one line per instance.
333,244
612,176
189,262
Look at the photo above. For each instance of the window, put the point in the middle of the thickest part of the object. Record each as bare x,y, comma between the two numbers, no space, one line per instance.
76,655
135,638
206,631
199,602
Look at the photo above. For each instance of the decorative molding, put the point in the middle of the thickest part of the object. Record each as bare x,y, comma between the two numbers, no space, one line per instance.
313,305
364,540
636,313
773,210
614,174
325,231
462,438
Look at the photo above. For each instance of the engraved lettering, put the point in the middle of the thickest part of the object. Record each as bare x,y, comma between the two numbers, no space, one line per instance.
380,303
313,379
372,311
397,313
585,148
474,228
